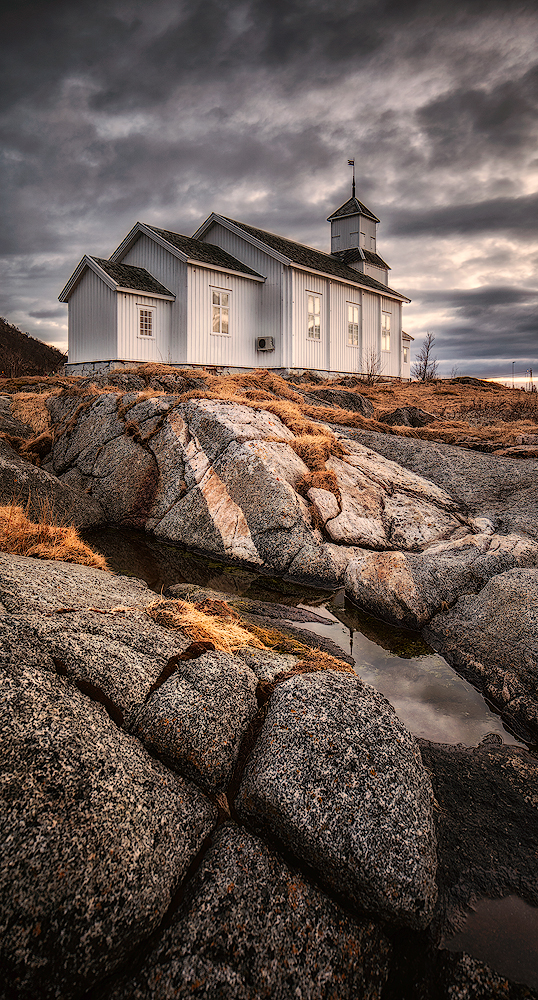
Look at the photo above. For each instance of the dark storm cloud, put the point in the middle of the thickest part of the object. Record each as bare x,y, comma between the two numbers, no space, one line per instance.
488,323
493,215
469,124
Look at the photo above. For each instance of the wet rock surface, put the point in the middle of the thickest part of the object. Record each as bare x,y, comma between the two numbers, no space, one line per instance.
196,720
492,639
252,927
339,781
486,824
95,837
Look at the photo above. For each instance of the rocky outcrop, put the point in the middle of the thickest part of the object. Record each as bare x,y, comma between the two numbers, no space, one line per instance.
406,416
492,639
408,588
95,836
41,493
337,779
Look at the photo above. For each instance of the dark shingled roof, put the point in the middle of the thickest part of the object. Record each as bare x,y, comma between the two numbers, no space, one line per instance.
353,207
314,259
353,254
205,253
128,276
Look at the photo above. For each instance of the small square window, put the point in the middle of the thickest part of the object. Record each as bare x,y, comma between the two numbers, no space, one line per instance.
145,322
314,316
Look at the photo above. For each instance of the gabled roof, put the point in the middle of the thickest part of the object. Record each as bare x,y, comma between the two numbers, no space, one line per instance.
117,277
306,257
187,249
353,207
358,253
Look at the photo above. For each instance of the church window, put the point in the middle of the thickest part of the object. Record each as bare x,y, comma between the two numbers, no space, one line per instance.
220,301
385,331
352,325
146,321
314,316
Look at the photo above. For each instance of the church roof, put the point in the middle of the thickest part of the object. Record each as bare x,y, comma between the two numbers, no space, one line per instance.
129,276
204,253
314,260
353,207
359,253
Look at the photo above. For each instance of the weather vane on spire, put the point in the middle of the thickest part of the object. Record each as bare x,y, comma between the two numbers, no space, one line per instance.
351,163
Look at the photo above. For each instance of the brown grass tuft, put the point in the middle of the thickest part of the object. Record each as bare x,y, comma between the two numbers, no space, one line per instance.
320,480
31,408
316,449
224,632
43,539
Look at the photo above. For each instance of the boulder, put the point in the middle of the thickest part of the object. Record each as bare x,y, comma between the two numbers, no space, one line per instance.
196,720
95,835
408,588
338,780
346,400
406,416
252,927
10,423
492,639
42,494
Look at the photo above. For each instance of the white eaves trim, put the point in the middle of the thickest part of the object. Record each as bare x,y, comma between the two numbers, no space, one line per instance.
224,270
142,293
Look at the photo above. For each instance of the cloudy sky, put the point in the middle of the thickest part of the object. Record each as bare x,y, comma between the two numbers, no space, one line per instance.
167,110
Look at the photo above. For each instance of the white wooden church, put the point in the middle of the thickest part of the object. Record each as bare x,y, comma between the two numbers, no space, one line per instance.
233,297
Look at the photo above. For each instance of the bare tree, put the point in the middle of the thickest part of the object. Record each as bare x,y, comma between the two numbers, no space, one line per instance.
372,366
425,366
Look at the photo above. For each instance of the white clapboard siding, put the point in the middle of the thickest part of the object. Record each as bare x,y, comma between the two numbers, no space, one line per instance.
92,320
172,273
132,346
371,327
309,353
270,293
342,356
238,348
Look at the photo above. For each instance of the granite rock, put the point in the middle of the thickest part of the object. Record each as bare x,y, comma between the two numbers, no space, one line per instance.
95,838
346,400
37,490
338,780
406,416
195,720
252,927
408,588
492,639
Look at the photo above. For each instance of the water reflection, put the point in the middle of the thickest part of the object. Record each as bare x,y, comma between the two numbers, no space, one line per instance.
503,934
428,696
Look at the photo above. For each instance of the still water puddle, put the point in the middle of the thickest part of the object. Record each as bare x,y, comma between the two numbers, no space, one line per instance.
503,933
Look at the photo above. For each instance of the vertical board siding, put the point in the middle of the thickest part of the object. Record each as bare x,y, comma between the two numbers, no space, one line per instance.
239,347
172,273
270,293
309,353
92,321
379,273
342,356
131,346
345,233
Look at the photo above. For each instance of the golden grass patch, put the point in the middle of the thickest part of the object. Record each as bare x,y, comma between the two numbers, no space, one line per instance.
223,632
43,539
31,408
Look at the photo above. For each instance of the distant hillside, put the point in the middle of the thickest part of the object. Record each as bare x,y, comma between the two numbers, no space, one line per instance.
21,354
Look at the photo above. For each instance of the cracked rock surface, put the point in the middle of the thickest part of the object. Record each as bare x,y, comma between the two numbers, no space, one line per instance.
95,837
252,927
339,780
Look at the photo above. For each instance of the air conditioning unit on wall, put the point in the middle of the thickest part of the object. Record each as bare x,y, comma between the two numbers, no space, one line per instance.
265,343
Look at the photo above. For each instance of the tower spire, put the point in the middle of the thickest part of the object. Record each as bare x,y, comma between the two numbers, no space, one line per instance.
351,163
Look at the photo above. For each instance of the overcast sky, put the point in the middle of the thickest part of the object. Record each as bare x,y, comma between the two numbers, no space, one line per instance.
167,110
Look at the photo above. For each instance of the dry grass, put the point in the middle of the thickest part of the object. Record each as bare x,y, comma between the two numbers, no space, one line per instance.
31,408
323,479
43,539
316,449
222,630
